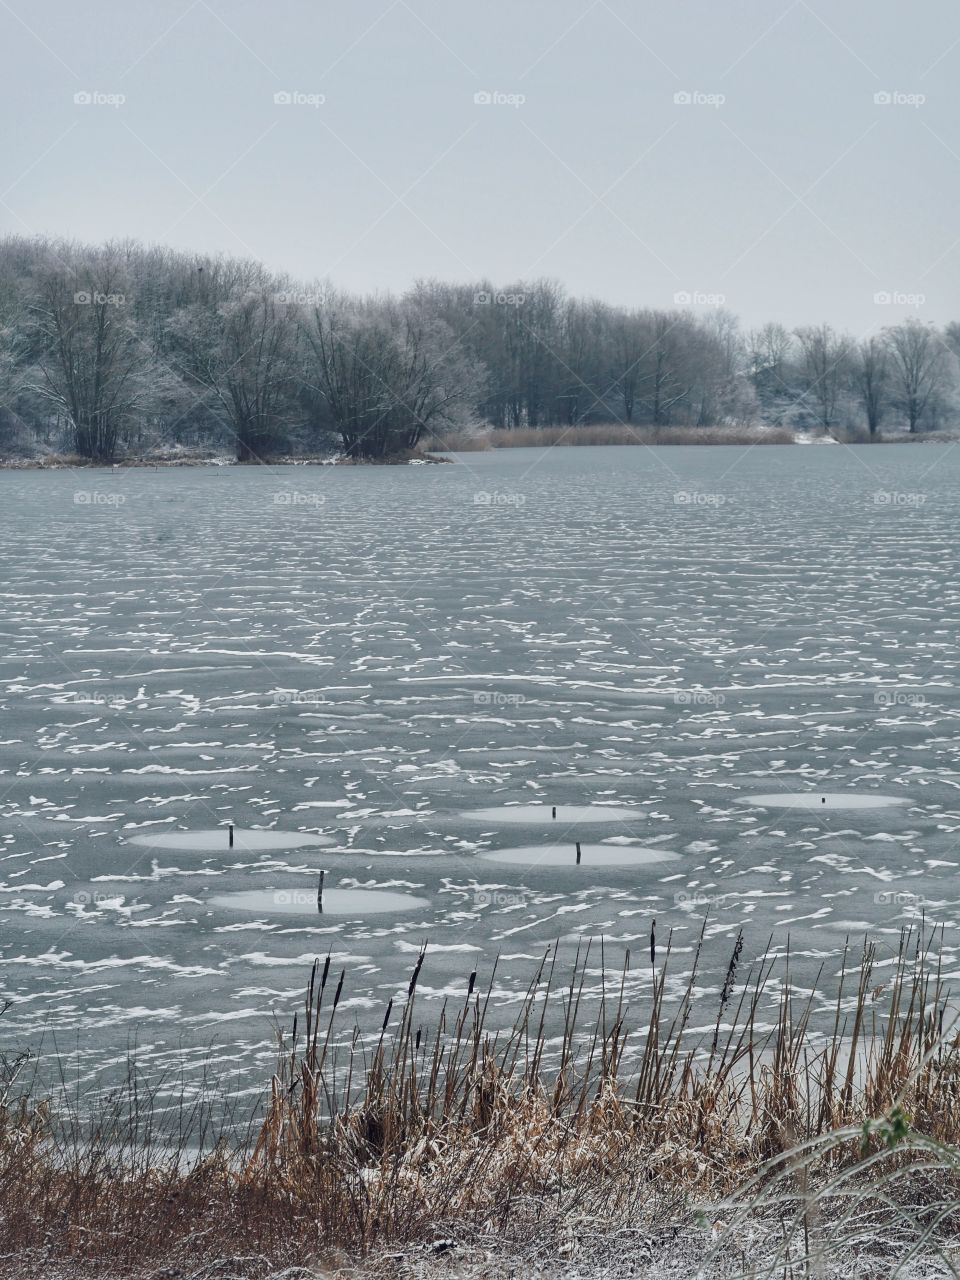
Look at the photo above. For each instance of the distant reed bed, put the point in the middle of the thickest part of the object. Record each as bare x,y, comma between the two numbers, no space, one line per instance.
606,434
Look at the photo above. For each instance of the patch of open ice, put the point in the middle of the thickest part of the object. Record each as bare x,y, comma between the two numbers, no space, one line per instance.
218,839
565,813
825,800
303,902
591,855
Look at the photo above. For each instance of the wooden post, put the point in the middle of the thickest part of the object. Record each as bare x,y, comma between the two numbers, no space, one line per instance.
320,893
231,835
554,810
578,853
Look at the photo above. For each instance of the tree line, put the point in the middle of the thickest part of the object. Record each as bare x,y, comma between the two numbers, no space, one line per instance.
123,348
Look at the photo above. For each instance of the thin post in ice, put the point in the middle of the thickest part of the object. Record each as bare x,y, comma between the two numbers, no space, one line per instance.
230,834
320,893
578,853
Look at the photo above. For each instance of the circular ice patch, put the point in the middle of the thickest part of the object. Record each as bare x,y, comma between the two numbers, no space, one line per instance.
566,813
825,800
591,855
217,839
303,902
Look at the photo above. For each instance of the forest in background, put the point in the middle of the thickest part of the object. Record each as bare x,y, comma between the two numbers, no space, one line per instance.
123,349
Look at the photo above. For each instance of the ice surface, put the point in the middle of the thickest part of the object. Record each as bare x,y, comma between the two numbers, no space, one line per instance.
384,666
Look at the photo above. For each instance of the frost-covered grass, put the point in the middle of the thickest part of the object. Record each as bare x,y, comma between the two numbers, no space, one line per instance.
737,1148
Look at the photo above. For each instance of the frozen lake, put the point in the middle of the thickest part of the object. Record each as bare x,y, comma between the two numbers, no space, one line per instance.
387,657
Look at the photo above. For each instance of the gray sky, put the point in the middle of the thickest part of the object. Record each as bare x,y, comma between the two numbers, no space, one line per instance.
798,197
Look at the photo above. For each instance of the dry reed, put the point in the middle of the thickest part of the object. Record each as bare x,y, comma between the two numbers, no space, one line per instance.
584,1107
612,433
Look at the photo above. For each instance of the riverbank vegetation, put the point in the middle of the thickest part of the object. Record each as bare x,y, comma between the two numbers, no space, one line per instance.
754,1122
122,350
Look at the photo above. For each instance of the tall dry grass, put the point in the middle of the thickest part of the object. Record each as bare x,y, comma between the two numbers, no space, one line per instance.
608,434
584,1106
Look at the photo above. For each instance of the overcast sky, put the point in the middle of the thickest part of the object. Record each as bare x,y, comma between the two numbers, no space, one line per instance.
782,185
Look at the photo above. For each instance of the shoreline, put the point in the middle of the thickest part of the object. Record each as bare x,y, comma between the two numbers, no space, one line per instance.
145,462
517,1154
440,454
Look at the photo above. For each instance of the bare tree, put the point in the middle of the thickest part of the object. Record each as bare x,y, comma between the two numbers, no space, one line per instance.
918,357
768,349
824,357
89,361
951,335
580,360
719,392
241,353
871,377
630,335
670,374
383,373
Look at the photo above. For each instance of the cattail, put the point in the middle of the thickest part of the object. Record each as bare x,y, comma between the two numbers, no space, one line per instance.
731,972
727,991
336,998
472,983
386,1016
653,942
416,973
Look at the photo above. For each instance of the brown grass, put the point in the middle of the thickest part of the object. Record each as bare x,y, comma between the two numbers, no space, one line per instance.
370,1145
612,434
